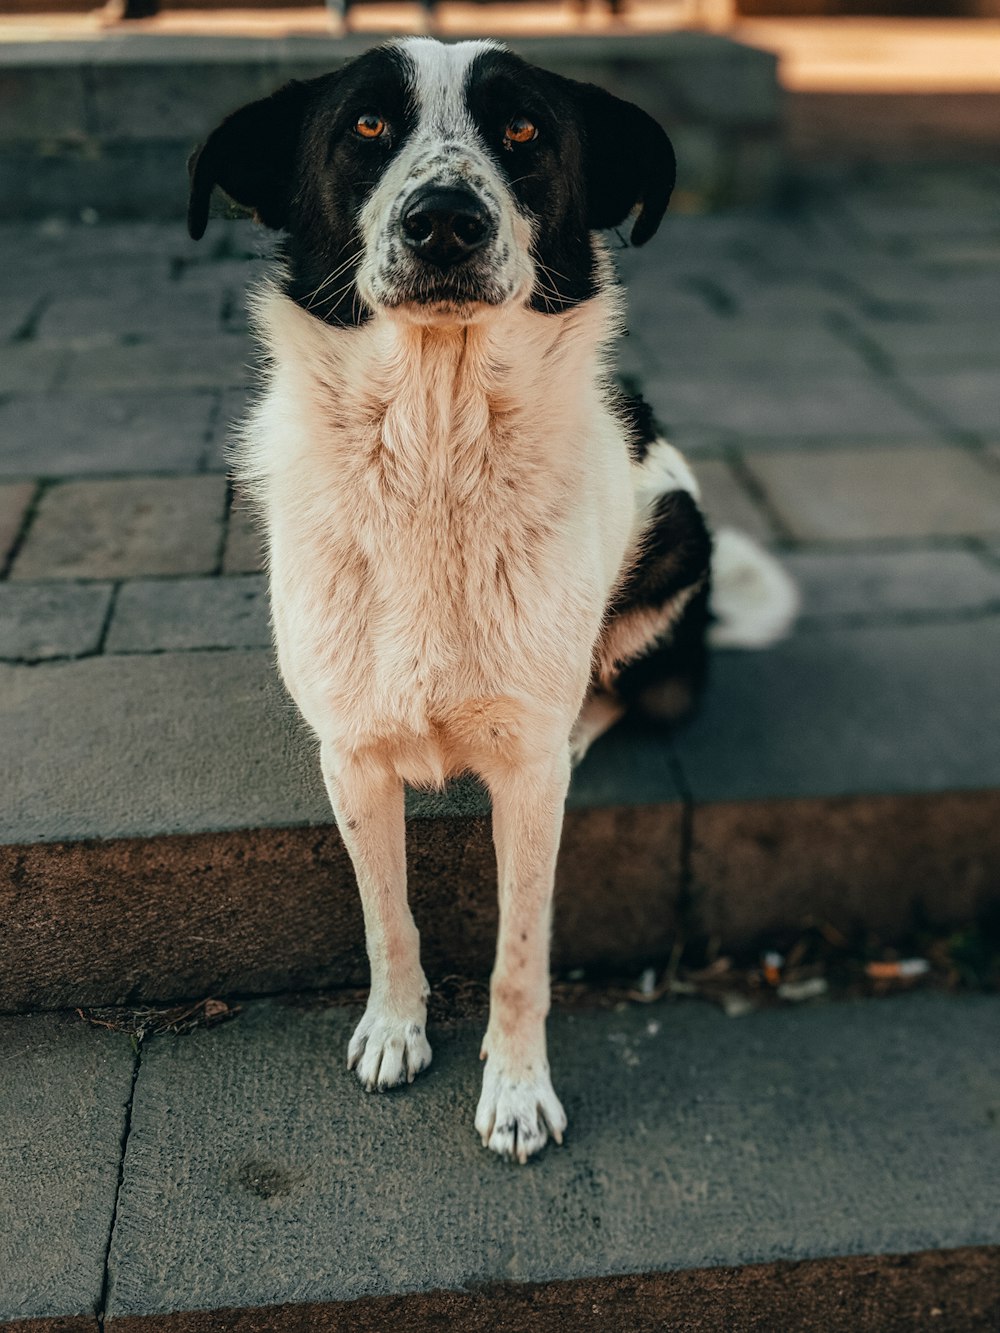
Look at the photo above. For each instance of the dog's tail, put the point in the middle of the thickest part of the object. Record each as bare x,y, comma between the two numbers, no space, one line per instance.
754,599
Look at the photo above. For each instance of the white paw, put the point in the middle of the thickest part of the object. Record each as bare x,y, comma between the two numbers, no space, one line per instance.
516,1115
388,1049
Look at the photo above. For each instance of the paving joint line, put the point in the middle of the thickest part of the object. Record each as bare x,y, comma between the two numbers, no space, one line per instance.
218,567
27,330
757,492
209,433
102,1305
881,364
27,519
102,637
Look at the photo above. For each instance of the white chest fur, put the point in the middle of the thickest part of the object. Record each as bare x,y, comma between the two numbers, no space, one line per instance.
447,511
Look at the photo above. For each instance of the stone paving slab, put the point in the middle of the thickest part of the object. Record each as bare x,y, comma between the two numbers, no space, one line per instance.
753,347
970,399
27,367
212,743
80,434
233,405
857,494
14,501
16,314
133,746
727,502
850,711
216,362
161,310
244,546
115,529
63,1094
873,584
931,346
38,621
694,1140
788,404
154,615
119,746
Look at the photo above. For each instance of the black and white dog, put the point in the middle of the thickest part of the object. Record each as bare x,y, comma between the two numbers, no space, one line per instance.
480,554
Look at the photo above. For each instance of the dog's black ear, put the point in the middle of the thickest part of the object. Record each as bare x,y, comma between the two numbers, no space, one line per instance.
251,155
628,162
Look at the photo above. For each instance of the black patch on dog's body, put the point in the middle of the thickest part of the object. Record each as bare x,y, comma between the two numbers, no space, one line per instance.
675,556
638,421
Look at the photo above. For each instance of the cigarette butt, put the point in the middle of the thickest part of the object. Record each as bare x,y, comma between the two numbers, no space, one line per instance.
902,970
772,964
808,989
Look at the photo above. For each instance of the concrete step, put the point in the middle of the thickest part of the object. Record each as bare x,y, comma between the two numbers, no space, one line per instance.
167,833
829,1168
106,125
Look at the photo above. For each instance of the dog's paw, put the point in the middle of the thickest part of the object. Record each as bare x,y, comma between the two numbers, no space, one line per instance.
516,1115
388,1049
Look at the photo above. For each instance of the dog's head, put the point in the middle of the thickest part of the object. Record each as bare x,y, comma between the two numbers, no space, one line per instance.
431,180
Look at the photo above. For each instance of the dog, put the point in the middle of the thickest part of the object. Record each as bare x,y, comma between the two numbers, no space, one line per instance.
481,554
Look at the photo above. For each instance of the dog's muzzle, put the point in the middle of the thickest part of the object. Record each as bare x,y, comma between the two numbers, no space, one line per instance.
445,227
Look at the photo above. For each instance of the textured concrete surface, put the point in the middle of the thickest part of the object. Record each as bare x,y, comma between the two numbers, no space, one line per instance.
869,585
136,107
888,865
156,615
969,397
784,406
212,742
261,911
14,501
850,711
841,494
207,362
112,529
727,502
880,1294
138,745
79,434
64,1088
694,1140
54,620
243,554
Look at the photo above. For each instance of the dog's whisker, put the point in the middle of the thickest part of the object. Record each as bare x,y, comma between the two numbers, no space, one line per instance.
332,277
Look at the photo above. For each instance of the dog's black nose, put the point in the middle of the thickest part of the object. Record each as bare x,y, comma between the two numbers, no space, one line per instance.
445,226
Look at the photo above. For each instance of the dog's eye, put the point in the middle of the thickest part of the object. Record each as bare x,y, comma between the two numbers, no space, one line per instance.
520,130
369,126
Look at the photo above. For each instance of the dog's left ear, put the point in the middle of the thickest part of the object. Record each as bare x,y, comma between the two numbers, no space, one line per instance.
252,156
628,162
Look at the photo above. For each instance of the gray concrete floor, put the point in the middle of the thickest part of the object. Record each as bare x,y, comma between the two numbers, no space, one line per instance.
256,1171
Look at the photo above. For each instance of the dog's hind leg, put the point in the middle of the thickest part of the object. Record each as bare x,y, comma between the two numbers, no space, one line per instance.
390,1043
518,1108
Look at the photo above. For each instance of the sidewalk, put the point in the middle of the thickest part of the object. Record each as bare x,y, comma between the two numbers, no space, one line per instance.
833,375
240,1174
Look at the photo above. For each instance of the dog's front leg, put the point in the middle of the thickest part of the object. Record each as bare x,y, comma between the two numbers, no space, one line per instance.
390,1043
518,1107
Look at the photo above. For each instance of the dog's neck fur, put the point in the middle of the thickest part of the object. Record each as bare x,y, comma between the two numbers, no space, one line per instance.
432,400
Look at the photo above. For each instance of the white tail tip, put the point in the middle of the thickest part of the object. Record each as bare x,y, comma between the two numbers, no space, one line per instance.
754,600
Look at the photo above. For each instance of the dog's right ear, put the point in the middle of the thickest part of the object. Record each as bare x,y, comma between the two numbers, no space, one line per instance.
252,156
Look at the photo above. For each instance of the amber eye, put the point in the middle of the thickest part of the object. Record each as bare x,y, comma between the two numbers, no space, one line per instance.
520,130
369,126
